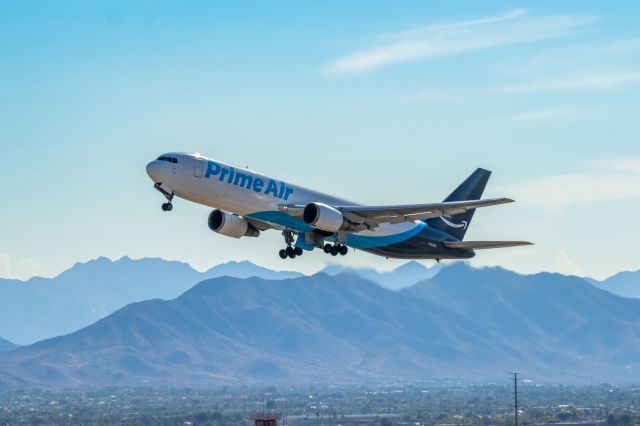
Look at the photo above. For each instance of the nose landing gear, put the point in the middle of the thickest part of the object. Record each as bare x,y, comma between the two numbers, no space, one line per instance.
166,207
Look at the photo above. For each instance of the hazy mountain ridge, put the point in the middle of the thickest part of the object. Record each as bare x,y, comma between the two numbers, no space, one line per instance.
559,309
625,284
42,308
465,323
403,276
6,345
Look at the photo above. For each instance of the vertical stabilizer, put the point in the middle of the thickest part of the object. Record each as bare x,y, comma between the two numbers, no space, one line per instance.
471,189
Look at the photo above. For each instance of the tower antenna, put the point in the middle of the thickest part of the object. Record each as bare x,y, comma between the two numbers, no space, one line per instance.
515,397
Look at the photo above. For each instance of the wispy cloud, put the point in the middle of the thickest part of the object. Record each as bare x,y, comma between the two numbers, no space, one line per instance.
428,30
623,46
541,114
515,27
577,81
5,265
616,179
626,164
26,269
566,266
595,80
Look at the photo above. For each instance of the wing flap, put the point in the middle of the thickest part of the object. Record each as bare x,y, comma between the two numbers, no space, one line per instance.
481,245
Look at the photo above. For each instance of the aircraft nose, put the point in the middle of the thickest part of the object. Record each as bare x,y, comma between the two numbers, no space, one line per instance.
153,170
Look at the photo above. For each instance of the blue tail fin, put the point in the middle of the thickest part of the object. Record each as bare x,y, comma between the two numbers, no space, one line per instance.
470,189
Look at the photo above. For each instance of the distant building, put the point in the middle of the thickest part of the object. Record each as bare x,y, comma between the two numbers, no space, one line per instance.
597,423
266,419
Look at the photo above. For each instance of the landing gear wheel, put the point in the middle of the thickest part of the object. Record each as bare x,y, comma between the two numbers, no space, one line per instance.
290,252
343,250
334,250
166,207
327,248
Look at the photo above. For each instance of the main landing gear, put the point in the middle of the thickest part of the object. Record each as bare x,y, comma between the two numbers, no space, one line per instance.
290,252
335,249
166,207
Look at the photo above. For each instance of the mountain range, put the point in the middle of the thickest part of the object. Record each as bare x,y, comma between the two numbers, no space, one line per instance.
42,308
464,323
625,284
5,345
403,276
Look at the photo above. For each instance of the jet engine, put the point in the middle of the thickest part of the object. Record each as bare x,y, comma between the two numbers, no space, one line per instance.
231,225
323,217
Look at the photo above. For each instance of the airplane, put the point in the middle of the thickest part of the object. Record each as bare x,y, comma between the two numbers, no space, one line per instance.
247,203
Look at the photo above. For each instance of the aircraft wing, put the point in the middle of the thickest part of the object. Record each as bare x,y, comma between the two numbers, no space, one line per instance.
480,245
259,224
375,215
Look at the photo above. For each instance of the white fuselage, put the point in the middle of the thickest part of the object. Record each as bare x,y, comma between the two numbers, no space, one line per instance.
226,187
257,196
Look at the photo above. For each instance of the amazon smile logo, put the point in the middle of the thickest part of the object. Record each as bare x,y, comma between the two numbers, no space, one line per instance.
462,225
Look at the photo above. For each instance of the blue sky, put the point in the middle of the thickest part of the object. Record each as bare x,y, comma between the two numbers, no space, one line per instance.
378,102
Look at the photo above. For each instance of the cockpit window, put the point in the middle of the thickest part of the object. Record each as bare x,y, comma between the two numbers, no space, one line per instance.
173,160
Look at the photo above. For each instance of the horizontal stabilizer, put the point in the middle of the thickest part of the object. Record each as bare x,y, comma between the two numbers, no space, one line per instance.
480,245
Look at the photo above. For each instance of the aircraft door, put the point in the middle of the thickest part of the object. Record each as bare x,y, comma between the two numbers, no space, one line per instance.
198,165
